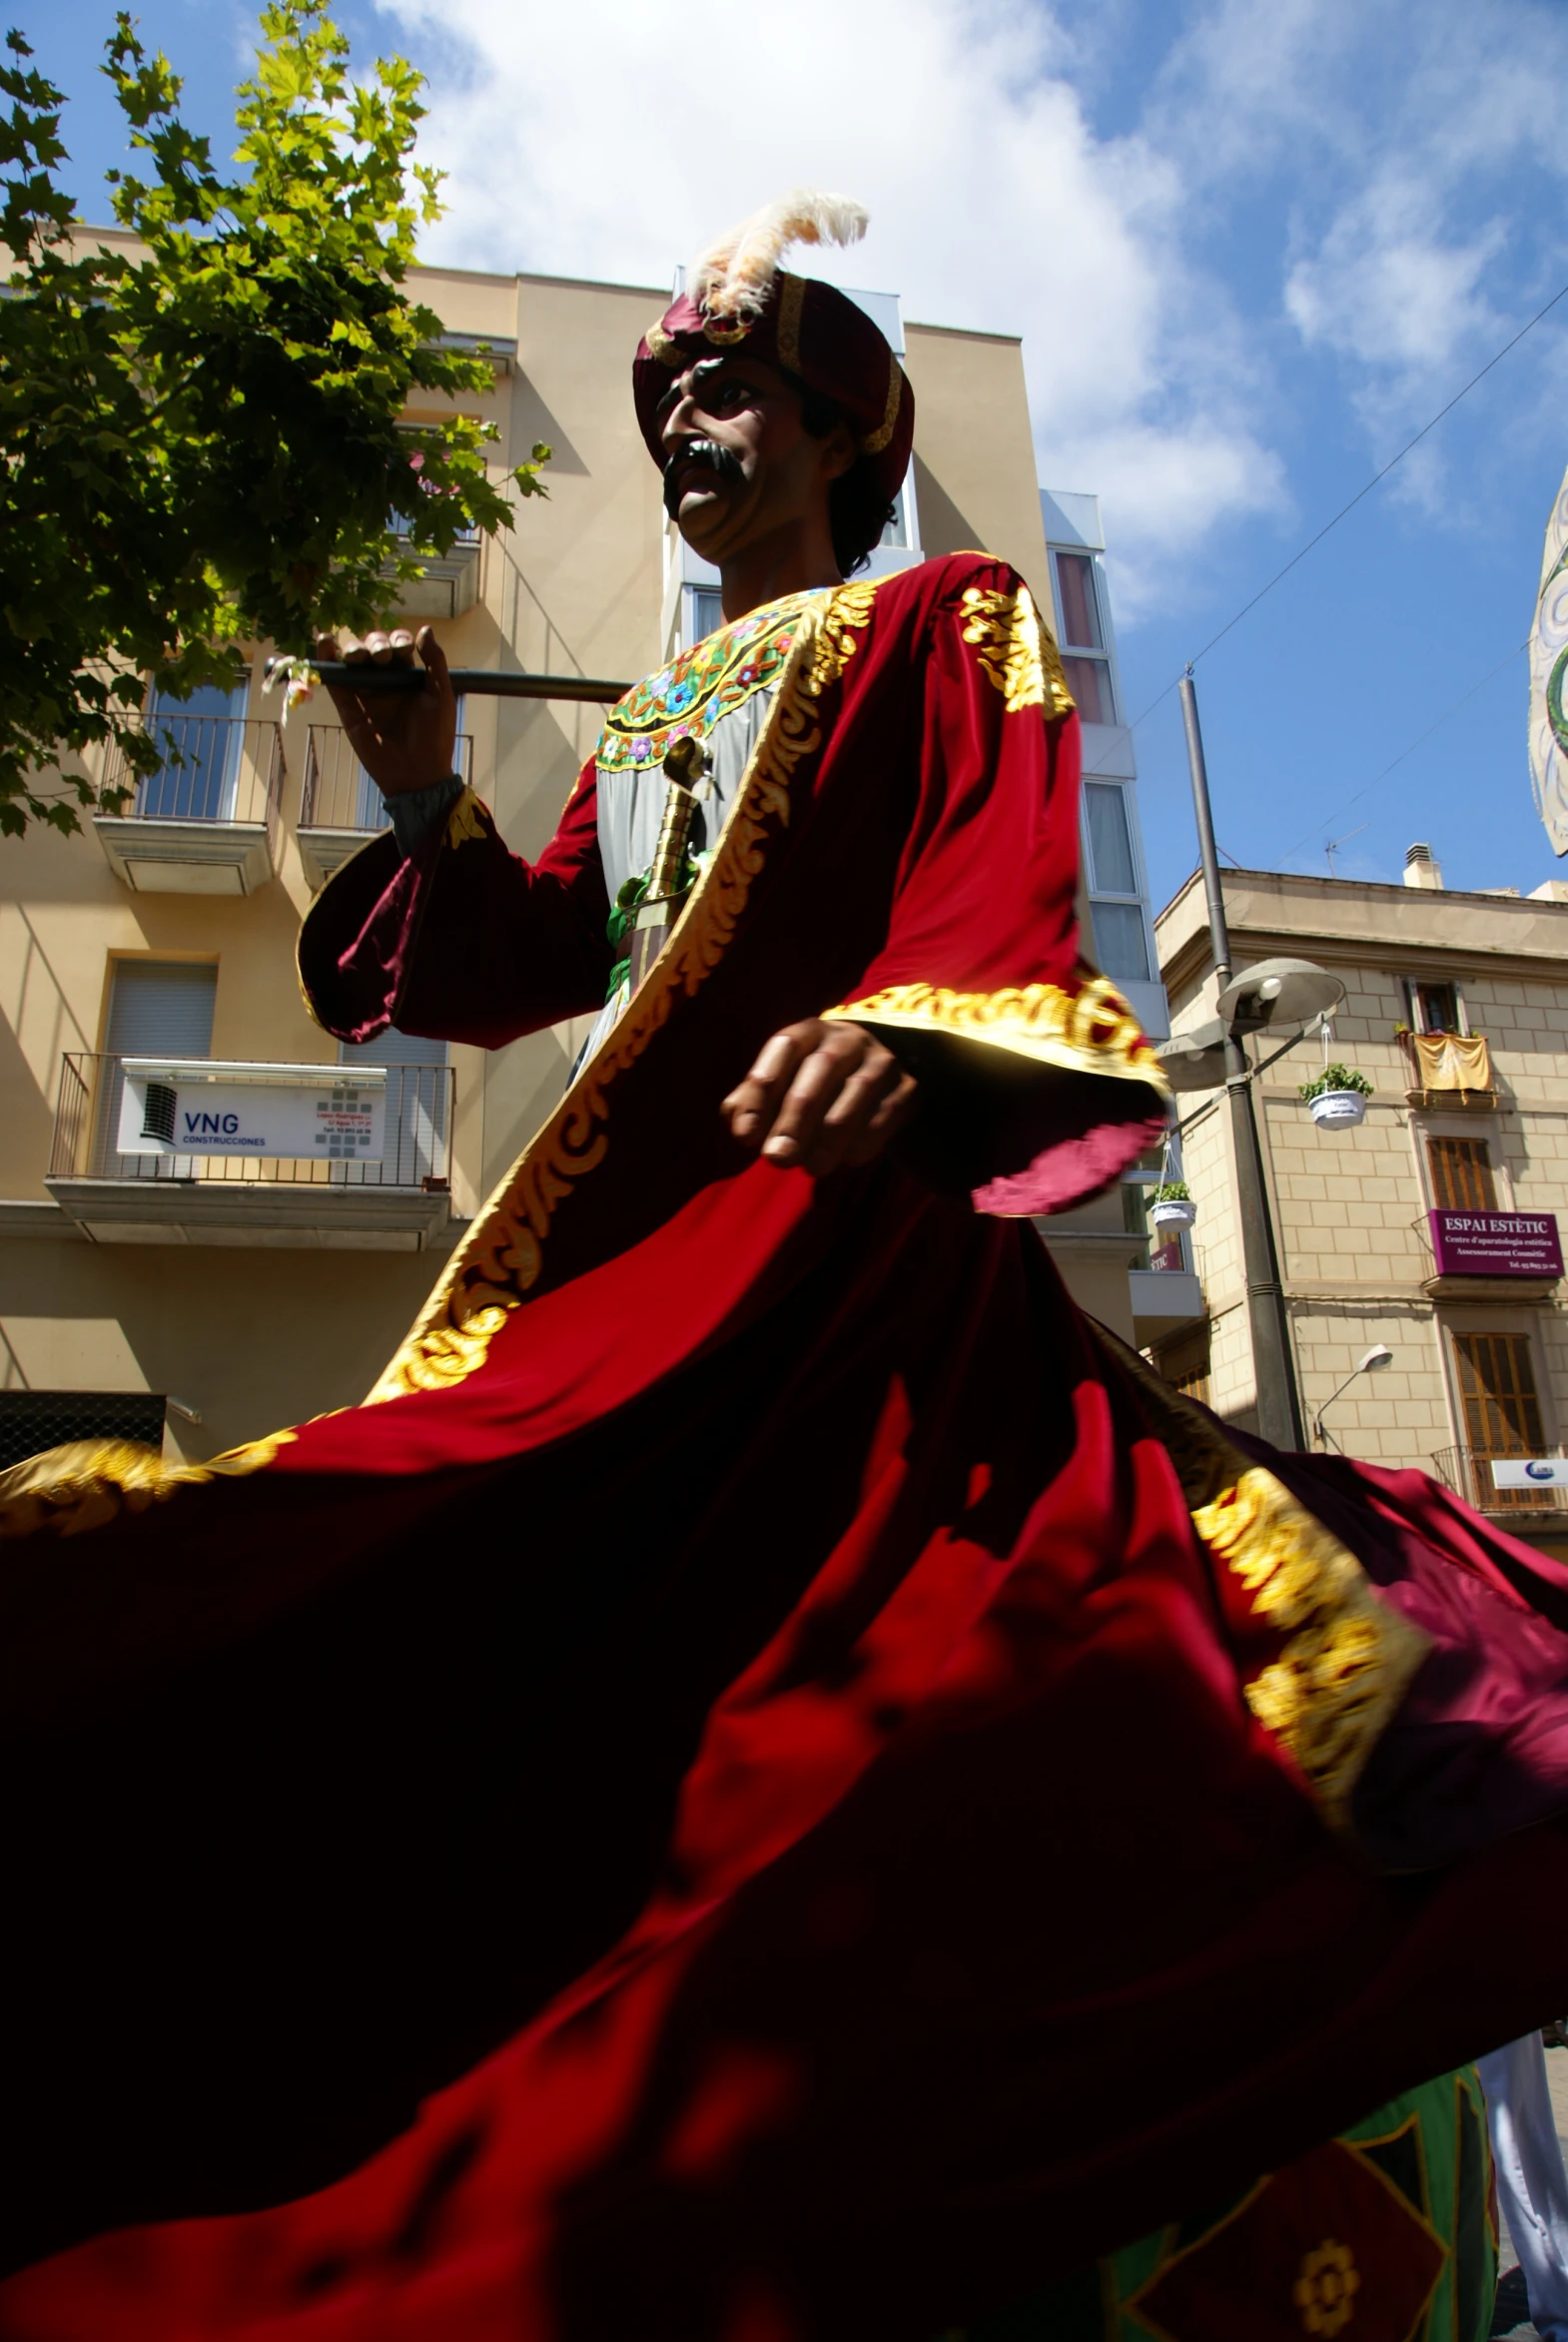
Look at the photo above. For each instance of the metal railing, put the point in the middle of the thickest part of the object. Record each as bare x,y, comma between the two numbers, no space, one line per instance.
340,794
417,1153
212,769
1468,1472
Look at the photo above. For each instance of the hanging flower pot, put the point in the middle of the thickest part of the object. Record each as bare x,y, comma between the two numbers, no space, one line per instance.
1337,1098
1338,1109
1173,1206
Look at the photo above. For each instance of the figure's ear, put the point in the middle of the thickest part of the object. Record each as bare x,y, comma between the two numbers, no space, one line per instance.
839,451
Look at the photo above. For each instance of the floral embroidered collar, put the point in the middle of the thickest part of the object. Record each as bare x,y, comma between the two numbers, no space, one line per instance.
691,694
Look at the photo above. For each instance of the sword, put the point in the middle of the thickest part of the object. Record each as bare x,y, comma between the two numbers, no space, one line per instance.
687,765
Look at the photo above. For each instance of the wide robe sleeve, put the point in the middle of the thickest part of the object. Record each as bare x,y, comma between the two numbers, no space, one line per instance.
1036,1084
461,940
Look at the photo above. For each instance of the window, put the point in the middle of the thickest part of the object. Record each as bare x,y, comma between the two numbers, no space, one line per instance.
1461,1172
201,741
1084,658
1120,935
1434,1007
704,614
1186,1367
1502,1414
157,1007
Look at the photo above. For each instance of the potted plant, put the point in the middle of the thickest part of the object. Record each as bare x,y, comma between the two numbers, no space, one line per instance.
1337,1098
1173,1205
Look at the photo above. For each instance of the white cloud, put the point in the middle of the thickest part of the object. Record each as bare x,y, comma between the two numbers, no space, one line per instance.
994,204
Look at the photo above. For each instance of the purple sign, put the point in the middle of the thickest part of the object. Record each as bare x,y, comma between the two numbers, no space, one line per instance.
1496,1244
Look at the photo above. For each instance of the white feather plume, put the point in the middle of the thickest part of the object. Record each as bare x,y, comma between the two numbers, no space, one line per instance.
731,278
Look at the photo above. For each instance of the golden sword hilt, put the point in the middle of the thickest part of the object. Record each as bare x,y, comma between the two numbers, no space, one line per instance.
686,765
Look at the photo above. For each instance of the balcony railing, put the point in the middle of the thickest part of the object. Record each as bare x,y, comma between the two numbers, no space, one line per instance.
215,769
1468,1472
340,794
420,1107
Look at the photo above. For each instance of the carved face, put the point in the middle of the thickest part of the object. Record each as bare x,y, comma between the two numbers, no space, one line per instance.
740,463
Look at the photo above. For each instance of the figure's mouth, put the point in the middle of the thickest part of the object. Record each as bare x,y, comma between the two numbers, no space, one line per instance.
697,455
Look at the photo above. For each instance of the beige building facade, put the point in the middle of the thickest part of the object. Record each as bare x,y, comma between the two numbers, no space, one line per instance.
1457,1010
216,1296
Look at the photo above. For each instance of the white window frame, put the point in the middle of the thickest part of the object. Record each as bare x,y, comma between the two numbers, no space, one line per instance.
1098,893
1102,653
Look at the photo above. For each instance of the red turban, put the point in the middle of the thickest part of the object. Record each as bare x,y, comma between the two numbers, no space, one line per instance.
807,329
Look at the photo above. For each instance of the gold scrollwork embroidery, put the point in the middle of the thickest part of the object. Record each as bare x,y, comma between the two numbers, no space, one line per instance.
464,822
874,442
661,347
85,1484
1348,1657
1015,650
1091,1031
792,294
500,1261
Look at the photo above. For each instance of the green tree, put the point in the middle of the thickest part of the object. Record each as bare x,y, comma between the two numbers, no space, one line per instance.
201,445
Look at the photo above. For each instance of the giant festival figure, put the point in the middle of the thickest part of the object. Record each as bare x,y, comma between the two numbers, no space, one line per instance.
772,1782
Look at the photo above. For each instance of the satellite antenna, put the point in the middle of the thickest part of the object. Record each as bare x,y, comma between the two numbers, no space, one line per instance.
1331,846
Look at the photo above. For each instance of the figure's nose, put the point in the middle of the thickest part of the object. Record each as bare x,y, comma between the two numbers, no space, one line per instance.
677,423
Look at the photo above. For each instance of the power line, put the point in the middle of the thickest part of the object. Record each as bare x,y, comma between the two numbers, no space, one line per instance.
1360,492
1506,661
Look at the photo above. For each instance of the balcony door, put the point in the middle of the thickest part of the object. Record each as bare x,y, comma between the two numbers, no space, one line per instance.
417,1091
157,1007
1502,1410
199,739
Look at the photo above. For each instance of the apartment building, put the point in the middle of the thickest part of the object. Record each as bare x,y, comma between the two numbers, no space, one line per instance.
1430,1228
214,1294
1103,1248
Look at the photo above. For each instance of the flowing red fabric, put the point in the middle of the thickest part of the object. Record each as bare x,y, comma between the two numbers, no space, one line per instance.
734,1816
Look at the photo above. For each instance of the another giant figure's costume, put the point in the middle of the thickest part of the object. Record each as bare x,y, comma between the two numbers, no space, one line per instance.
772,1782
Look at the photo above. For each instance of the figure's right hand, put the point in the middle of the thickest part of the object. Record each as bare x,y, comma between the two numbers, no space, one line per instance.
404,739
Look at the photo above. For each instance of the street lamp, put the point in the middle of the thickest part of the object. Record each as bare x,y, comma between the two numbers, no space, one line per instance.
1281,997
1377,1356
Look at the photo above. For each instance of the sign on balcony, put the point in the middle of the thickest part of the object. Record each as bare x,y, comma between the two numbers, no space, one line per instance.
1496,1244
1535,1471
176,1107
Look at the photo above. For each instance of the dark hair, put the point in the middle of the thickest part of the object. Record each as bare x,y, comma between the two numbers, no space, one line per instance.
858,509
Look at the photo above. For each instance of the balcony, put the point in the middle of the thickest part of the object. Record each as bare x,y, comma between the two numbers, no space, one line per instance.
375,1178
340,808
1467,1473
209,820
1448,1070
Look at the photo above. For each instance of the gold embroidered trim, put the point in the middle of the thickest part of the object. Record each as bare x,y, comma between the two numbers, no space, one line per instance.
661,347
464,823
792,294
501,1259
1091,1031
1015,650
85,1484
874,442
1349,1657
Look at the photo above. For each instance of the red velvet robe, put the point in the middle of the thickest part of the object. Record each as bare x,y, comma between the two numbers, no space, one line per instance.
842,1796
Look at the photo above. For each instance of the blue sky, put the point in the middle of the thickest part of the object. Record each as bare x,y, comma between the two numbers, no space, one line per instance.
1251,245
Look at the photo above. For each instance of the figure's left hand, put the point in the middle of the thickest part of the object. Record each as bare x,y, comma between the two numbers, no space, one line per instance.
821,1098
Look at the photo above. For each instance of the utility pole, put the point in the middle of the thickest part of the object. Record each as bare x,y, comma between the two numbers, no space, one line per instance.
1278,1404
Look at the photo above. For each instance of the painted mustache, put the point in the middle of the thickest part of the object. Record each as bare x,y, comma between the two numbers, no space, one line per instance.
718,460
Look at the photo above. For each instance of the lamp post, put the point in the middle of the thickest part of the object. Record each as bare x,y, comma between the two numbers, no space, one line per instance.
1278,995
1379,1356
